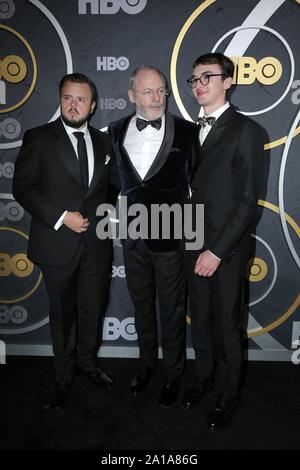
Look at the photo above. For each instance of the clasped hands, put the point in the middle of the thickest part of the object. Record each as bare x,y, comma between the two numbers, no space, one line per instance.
76,222
206,264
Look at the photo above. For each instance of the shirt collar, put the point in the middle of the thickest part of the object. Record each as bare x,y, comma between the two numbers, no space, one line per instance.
70,130
217,113
141,117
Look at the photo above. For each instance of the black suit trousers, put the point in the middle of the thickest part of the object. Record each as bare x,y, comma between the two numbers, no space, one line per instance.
216,307
78,296
151,275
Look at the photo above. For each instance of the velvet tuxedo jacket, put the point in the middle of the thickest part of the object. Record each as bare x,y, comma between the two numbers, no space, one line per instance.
167,180
47,181
227,175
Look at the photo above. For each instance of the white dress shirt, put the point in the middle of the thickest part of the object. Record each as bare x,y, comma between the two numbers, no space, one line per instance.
143,146
90,154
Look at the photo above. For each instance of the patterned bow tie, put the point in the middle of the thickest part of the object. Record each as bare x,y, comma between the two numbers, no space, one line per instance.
202,121
142,123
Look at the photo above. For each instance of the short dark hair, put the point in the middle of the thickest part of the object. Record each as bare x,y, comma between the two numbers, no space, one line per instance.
80,78
145,67
226,64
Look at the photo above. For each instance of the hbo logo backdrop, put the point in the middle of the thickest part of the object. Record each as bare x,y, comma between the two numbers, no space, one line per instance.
9,128
111,103
112,63
16,314
110,7
114,329
11,211
267,70
7,171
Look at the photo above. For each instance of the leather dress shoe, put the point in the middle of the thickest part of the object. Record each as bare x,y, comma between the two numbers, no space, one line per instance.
61,395
169,392
141,380
98,377
194,395
222,413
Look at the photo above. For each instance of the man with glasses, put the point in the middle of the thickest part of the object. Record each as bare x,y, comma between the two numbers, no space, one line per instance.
152,148
226,178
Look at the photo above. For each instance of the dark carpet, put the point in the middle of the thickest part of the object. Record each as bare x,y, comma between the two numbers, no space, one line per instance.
97,419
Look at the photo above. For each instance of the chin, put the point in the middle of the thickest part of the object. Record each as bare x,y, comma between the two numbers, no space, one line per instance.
156,115
74,123
201,101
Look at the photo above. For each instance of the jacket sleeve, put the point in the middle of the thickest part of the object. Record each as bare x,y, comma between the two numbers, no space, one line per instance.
248,176
27,185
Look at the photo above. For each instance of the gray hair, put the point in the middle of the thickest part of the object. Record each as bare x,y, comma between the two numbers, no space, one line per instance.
144,67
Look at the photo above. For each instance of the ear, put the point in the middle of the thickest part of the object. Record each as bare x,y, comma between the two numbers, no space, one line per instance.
93,106
227,83
131,96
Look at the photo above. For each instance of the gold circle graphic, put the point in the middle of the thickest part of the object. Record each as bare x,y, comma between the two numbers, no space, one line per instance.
257,269
291,309
275,209
178,42
269,70
23,265
173,67
19,299
281,141
34,79
15,69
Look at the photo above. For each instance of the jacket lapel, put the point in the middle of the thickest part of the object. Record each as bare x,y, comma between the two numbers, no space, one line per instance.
65,151
216,135
99,159
118,133
165,147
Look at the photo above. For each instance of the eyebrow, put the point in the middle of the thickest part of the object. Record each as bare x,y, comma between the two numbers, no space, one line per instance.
68,94
205,72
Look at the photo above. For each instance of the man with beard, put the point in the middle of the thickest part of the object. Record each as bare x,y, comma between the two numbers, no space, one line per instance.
153,150
63,172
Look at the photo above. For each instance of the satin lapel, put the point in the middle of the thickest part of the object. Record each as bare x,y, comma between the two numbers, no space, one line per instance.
197,156
99,159
65,151
215,136
165,147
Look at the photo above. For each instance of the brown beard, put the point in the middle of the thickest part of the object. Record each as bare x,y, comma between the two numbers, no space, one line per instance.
75,125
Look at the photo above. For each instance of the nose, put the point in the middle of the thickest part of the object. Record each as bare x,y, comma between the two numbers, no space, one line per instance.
199,85
73,101
156,95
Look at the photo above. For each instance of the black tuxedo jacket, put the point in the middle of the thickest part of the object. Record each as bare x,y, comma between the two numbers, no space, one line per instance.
227,175
168,177
47,181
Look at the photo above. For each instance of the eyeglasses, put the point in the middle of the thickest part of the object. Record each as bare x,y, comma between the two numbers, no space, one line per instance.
204,79
149,92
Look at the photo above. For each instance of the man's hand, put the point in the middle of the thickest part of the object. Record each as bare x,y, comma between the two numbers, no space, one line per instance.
76,222
206,264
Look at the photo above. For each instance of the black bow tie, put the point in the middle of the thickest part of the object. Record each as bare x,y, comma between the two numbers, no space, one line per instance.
142,123
202,121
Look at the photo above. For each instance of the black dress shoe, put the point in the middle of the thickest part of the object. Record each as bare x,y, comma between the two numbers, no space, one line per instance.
141,380
169,392
194,395
97,377
222,414
61,395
